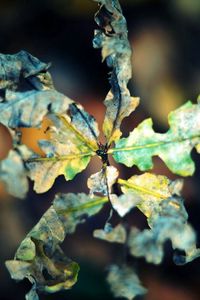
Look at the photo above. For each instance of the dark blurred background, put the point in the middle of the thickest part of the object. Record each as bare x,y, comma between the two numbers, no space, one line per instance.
166,72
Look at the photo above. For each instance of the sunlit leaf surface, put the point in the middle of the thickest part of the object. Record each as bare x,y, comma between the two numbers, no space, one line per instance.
145,191
73,140
173,147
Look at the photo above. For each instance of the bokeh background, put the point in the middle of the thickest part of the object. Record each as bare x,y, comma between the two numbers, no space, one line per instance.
165,38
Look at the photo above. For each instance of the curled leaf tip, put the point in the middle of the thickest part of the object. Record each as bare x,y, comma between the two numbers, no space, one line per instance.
13,172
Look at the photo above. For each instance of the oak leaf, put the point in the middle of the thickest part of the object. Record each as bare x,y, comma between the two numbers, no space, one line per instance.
173,147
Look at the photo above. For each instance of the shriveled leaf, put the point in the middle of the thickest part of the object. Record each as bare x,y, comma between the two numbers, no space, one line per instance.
101,182
39,257
73,140
110,234
21,64
173,147
124,282
27,109
169,222
146,191
113,40
13,172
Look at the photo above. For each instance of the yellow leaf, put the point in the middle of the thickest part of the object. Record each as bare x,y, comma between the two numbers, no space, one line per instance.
149,190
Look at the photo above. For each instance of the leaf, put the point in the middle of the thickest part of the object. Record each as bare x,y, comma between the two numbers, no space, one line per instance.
167,222
112,38
124,203
73,141
173,147
13,173
101,182
73,209
21,64
85,124
39,257
110,234
145,191
27,109
32,295
42,81
124,282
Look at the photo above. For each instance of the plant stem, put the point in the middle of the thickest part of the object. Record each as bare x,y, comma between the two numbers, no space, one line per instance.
90,204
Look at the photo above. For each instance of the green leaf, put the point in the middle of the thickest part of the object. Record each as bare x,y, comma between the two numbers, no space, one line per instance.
21,64
124,282
145,191
13,173
173,147
116,50
110,234
73,209
73,141
169,222
39,257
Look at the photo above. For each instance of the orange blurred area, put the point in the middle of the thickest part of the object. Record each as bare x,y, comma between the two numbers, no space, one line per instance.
154,52
159,290
31,136
5,141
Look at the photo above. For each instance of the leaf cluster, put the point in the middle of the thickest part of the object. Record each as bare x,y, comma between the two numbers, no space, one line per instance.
73,140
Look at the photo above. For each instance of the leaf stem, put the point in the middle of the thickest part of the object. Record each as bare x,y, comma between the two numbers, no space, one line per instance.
81,207
62,157
140,189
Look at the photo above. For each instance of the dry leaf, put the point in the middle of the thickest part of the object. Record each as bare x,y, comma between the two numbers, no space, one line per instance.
113,40
110,234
